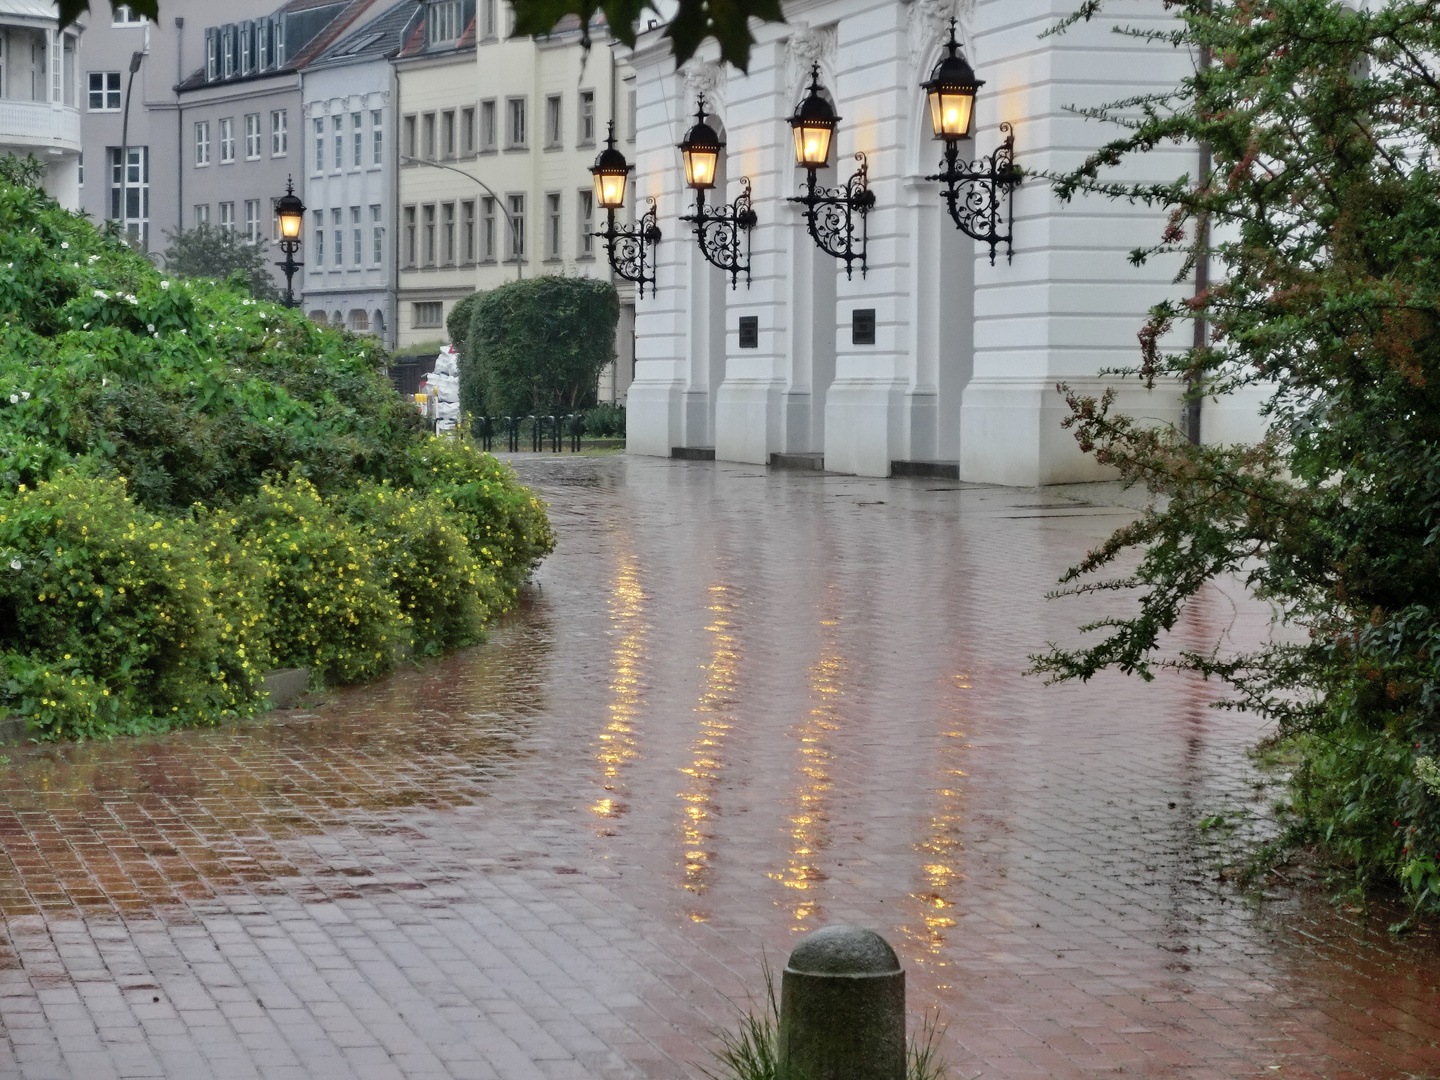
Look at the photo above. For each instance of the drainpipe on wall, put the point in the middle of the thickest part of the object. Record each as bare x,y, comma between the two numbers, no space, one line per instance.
1193,389
179,127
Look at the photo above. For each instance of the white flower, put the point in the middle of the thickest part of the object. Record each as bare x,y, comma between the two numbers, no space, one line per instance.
150,327
164,284
65,245
85,327
104,382
25,395
133,299
16,564
101,294
94,258
14,399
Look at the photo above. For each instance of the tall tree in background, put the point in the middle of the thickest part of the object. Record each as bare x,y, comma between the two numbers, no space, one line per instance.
207,252
1324,209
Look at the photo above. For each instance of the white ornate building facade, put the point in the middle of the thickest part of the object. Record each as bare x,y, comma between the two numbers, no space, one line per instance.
39,94
933,359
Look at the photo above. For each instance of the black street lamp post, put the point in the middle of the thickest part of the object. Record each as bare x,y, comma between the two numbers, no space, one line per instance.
626,245
291,212
830,212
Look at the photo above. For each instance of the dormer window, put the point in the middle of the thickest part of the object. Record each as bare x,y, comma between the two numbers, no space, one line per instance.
212,55
278,39
247,48
444,22
262,45
227,52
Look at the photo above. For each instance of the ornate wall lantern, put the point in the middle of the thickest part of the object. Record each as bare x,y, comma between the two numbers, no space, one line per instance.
625,245
291,213
974,191
717,230
829,212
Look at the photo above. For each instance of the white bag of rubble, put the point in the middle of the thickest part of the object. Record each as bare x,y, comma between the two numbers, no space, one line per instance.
445,380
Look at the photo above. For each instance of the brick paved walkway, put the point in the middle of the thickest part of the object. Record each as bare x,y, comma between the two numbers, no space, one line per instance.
741,706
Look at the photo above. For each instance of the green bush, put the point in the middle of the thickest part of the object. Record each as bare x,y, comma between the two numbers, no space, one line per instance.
604,421
503,521
113,619
423,556
268,460
538,346
329,609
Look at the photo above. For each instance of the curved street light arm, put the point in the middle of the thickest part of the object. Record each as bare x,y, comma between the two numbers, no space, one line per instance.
510,219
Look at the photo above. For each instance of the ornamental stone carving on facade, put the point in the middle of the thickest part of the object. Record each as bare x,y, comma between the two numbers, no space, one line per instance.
929,25
806,47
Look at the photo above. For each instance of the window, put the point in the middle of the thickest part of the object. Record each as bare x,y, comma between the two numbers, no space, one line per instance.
202,213
227,51
227,217
355,251
427,136
80,168
447,233
319,239
252,136
121,15
358,138
337,125
427,217
247,48
487,229
585,214
552,225
277,35
409,236
69,83
279,133
104,91
202,143
378,234
407,147
467,230
339,237
443,22
515,114
212,55
319,144
262,45
585,120
130,192
252,220
377,137
517,227
630,109
447,133
467,131
227,140
552,121
487,125
488,22
428,313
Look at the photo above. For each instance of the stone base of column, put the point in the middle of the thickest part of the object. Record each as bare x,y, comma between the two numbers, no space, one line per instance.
1010,429
653,417
923,408
799,435
864,426
749,419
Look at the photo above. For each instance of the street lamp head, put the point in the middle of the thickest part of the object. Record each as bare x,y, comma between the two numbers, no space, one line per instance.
951,89
701,151
812,125
611,172
291,212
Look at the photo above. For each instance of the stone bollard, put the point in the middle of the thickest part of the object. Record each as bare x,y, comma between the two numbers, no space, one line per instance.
842,1008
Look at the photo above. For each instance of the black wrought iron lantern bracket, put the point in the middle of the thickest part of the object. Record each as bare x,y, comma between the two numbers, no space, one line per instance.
723,230
831,213
980,194
628,245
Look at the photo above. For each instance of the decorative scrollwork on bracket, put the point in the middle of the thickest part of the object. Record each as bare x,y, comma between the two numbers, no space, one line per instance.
720,230
628,246
975,192
830,215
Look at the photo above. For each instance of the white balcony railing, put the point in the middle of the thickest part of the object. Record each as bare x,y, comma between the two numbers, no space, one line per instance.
39,124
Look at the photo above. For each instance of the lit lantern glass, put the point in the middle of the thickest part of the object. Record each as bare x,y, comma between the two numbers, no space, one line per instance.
291,212
701,152
951,89
813,124
611,172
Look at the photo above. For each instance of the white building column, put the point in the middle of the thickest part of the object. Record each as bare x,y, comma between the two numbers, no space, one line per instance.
1070,304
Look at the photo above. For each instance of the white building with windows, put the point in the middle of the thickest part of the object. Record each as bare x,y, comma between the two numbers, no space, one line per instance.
39,94
934,359
349,118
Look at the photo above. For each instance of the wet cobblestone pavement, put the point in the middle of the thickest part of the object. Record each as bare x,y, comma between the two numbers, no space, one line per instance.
739,706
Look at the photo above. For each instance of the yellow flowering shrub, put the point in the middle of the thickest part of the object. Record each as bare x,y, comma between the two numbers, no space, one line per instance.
503,519
114,619
425,560
328,607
